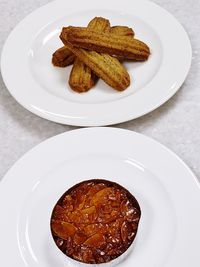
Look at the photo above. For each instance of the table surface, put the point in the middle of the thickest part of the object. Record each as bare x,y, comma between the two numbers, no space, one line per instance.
176,124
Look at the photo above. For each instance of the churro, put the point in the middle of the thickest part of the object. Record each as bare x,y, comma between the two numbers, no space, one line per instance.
97,51
62,57
122,30
81,77
104,66
109,43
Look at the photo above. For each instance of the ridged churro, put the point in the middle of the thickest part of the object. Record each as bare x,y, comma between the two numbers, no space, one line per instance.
62,57
96,51
99,24
109,43
81,77
122,30
104,66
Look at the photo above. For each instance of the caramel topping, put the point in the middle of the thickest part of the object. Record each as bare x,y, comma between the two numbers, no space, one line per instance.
95,221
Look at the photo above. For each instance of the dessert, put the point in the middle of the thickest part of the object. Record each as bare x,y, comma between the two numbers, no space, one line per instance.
98,51
81,77
99,24
62,57
122,30
95,221
109,43
104,66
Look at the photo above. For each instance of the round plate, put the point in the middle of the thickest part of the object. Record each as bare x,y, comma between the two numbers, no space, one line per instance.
166,189
43,89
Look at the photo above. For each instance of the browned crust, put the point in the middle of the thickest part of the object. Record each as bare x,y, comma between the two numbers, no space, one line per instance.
122,30
62,57
99,24
109,43
82,79
104,66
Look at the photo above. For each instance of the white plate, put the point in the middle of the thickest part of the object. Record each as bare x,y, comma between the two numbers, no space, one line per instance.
164,186
43,89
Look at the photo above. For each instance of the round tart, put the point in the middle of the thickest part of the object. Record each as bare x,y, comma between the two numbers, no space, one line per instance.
95,221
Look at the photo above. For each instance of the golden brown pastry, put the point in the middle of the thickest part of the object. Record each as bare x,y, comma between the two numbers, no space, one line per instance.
104,66
62,57
99,24
109,43
81,77
122,30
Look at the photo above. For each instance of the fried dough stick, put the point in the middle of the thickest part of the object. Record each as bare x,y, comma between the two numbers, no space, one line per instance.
63,57
81,77
108,43
104,66
122,30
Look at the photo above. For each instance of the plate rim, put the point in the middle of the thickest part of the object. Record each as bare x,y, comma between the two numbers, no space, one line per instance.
101,128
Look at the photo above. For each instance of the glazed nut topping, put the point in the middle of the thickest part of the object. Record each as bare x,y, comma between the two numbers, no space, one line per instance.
95,221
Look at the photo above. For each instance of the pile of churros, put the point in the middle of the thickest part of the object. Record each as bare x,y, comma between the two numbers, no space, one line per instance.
98,51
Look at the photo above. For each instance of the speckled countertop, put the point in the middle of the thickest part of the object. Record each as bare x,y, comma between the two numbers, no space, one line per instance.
176,124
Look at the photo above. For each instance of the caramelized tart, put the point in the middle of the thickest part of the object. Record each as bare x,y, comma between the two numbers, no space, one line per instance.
95,221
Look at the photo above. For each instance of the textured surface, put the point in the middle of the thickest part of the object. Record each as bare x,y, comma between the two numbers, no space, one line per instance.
95,221
81,78
108,43
176,124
